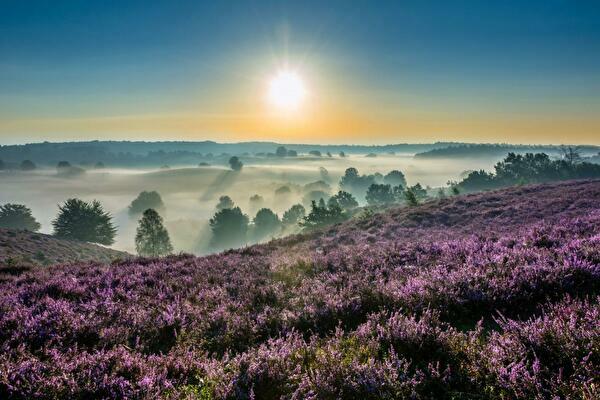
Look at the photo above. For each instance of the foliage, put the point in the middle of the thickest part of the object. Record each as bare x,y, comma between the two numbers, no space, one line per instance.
229,227
410,197
355,183
144,201
380,194
17,216
235,163
322,215
294,215
531,168
345,200
395,178
281,152
85,222
266,224
314,195
28,165
151,238
224,203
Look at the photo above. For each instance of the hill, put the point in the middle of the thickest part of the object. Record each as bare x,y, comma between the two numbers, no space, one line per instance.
485,296
22,250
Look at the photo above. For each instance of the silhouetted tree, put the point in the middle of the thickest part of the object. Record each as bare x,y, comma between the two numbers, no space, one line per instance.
266,223
144,201
380,194
410,197
281,152
321,215
356,184
224,203
86,222
292,153
28,165
345,200
151,238
418,191
229,228
294,215
235,163
395,178
17,216
315,153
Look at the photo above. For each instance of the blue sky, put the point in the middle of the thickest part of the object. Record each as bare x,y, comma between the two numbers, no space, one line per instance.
400,71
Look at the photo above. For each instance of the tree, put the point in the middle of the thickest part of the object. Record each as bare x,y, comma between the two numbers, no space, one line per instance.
329,155
281,152
294,215
345,200
224,203
229,227
144,201
410,197
356,184
380,194
17,216
151,238
418,191
314,195
315,153
266,223
342,154
86,222
28,165
571,154
322,215
235,163
292,153
283,190
395,178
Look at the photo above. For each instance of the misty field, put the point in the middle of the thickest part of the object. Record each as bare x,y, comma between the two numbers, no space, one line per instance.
190,193
491,295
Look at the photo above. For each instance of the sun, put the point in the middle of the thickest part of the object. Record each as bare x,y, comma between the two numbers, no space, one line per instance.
286,91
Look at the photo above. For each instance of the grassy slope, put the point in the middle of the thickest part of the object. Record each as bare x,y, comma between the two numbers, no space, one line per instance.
21,250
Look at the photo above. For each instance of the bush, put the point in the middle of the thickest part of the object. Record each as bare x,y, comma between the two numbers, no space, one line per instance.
322,215
151,238
17,216
85,222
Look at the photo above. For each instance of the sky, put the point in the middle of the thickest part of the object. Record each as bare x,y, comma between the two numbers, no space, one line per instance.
372,71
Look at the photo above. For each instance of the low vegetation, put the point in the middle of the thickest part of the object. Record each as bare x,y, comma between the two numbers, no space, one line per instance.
486,296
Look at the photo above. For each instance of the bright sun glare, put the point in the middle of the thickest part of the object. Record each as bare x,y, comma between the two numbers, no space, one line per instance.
286,91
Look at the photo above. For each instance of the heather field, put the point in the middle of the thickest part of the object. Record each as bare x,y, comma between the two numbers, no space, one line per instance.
484,296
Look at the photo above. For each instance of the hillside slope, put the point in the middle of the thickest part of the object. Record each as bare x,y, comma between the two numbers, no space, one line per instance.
20,250
487,296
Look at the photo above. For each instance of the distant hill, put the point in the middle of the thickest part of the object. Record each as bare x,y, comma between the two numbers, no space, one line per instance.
23,250
126,153
485,296
496,150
